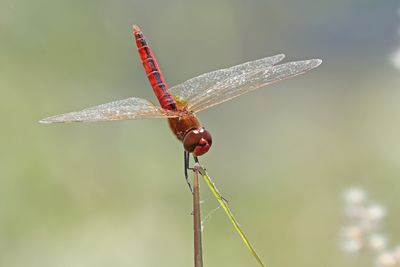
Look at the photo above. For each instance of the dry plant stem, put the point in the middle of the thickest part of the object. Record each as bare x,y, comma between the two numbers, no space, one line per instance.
198,254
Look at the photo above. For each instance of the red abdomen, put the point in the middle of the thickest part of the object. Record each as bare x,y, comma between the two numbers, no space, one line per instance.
153,72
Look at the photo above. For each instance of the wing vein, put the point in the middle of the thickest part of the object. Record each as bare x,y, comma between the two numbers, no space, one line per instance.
126,109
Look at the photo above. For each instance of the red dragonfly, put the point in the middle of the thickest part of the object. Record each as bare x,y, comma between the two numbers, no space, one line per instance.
180,103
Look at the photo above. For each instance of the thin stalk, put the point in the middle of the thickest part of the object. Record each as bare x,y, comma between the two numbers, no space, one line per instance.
198,251
224,205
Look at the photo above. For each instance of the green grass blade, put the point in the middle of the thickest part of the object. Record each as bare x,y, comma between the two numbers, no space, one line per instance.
228,212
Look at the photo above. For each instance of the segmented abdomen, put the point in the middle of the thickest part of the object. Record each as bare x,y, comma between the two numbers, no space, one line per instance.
153,72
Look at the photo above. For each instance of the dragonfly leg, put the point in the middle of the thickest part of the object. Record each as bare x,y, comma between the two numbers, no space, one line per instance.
186,163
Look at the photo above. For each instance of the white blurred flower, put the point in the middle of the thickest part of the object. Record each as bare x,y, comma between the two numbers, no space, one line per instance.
377,242
352,245
386,260
355,196
396,253
395,58
352,232
376,212
372,217
363,231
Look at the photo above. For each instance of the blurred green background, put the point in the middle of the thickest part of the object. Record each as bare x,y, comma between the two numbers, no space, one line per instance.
113,194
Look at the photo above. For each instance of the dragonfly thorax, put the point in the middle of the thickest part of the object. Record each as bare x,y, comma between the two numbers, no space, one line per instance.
197,141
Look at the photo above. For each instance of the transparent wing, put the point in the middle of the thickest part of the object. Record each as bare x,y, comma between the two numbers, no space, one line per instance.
189,89
126,109
235,85
241,84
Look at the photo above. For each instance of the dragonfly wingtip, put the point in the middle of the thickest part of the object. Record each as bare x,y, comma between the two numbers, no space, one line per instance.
49,120
315,62
44,121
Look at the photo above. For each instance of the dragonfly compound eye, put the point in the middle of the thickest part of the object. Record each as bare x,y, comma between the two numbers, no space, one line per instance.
197,141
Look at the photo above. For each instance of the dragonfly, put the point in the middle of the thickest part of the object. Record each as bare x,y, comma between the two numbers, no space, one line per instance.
179,104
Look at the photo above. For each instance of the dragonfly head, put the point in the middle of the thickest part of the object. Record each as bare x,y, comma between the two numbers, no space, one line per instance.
197,141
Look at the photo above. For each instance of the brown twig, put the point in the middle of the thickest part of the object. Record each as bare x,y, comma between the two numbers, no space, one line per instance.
198,254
